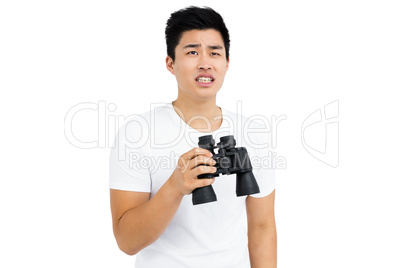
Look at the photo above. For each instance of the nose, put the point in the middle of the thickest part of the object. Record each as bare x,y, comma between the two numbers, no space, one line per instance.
203,64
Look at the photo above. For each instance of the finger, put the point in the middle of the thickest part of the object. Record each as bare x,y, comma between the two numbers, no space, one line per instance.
195,152
184,159
202,170
204,182
201,160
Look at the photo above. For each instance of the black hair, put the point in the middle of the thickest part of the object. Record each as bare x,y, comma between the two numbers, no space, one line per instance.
194,18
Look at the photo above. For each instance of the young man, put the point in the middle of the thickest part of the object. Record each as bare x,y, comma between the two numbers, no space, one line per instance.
152,210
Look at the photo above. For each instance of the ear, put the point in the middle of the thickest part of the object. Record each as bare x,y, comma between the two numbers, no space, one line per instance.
227,64
169,64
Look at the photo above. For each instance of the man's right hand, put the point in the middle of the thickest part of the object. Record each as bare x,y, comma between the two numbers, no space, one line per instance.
139,220
191,164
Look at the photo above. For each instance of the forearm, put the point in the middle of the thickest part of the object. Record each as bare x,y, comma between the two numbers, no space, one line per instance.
263,247
141,226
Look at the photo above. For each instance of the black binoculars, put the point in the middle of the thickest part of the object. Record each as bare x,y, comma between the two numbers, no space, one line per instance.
229,160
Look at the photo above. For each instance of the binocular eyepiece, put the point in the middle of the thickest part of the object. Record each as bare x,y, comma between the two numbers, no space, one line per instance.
229,160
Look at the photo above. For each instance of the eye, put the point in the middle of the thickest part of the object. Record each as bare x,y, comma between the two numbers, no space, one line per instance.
192,52
215,54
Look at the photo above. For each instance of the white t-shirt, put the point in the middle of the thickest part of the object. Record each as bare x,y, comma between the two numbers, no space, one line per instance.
214,234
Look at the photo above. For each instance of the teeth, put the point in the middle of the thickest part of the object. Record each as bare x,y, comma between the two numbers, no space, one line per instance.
204,79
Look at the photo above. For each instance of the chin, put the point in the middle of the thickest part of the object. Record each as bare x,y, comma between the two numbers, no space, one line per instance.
206,92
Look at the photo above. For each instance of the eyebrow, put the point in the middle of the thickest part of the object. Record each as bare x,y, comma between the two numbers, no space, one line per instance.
199,45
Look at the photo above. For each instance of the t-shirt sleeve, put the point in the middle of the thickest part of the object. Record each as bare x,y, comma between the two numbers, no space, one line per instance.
261,155
266,181
128,168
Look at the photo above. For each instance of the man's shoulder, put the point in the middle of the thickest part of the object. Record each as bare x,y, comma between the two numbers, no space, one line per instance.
246,120
252,130
155,109
142,122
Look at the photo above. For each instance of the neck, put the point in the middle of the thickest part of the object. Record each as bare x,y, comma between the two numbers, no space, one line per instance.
203,116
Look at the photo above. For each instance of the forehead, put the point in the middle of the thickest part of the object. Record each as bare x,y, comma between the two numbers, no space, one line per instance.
203,37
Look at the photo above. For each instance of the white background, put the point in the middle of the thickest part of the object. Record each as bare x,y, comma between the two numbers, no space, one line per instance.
287,58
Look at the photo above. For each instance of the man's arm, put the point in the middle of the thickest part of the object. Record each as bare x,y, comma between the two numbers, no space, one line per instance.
262,231
139,221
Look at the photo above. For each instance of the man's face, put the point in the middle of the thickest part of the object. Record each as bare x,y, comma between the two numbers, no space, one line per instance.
200,63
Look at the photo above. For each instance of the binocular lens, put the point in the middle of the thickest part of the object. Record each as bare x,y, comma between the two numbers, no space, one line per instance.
228,141
204,195
246,184
206,141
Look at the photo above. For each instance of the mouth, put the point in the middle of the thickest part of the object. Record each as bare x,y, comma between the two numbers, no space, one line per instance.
205,80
